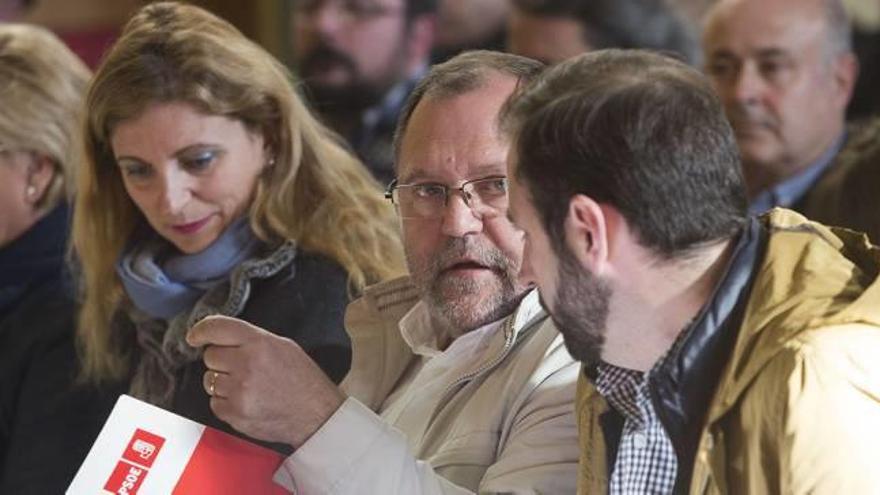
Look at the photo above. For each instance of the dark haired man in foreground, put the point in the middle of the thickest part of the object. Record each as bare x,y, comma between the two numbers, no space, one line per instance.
721,353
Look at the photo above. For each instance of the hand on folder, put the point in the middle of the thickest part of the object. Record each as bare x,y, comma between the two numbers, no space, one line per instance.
263,385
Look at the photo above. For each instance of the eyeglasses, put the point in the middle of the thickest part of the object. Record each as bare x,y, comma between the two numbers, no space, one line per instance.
349,10
487,197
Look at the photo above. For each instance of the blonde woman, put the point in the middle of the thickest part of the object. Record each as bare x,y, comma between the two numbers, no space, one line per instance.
45,426
209,188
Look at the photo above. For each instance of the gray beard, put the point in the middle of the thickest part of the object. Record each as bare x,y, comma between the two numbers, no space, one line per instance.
461,305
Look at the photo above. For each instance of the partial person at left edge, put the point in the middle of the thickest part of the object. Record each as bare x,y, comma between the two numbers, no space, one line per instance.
47,423
209,188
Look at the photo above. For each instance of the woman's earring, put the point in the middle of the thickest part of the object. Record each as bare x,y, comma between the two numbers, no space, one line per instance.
31,191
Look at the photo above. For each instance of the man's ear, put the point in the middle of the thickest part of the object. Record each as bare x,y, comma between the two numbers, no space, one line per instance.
846,71
586,233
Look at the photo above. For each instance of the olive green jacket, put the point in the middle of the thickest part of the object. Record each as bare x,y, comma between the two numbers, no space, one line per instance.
797,406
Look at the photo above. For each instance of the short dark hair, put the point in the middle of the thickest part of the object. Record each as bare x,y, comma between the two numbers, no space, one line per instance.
636,130
461,74
645,24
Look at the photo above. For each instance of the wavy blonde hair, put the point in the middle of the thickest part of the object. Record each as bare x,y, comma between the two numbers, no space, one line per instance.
316,193
42,86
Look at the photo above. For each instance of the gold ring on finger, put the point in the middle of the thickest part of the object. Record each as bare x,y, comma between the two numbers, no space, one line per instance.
212,384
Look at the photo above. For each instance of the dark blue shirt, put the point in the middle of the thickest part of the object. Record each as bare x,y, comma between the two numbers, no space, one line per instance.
791,190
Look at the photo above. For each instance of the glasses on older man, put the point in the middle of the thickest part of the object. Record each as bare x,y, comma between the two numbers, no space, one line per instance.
358,10
487,197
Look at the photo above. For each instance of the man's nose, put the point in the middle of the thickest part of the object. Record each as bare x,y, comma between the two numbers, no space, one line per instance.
747,86
459,219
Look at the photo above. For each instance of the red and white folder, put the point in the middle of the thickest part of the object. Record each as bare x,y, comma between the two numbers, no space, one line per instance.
145,450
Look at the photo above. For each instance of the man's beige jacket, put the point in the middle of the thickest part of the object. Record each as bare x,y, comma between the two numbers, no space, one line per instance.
505,424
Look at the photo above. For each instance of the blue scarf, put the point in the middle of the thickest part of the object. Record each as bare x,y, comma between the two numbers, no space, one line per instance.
163,283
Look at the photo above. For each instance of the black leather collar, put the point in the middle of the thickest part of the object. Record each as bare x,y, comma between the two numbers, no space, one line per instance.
681,387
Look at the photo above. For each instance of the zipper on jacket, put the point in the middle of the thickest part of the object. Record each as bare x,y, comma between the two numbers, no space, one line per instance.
510,338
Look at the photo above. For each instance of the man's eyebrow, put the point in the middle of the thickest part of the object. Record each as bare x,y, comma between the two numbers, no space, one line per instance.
722,54
490,169
414,177
772,53
487,169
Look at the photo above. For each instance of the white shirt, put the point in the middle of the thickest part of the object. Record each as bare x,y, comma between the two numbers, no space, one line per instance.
409,407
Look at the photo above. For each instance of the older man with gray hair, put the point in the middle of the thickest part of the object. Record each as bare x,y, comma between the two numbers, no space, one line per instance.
785,72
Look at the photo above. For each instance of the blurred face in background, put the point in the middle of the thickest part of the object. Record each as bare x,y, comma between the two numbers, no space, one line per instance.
350,52
783,87
190,174
469,23
549,39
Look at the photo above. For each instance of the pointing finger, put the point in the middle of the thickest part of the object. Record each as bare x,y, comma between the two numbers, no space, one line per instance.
222,331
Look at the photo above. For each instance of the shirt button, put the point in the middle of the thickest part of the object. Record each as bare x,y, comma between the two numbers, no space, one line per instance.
640,440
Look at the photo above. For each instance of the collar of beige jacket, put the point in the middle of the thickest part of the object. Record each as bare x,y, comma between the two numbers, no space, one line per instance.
380,355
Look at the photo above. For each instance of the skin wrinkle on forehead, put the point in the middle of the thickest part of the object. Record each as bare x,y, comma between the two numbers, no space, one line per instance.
482,159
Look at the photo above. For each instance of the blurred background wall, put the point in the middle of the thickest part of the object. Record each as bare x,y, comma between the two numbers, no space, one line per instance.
91,25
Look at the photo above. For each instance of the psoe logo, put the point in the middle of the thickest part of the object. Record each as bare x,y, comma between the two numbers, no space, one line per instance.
126,479
137,459
143,448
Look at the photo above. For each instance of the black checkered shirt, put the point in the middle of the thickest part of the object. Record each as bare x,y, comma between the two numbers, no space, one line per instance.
646,462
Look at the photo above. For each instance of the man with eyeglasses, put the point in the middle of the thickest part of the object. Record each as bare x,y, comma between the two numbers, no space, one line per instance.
359,59
460,383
